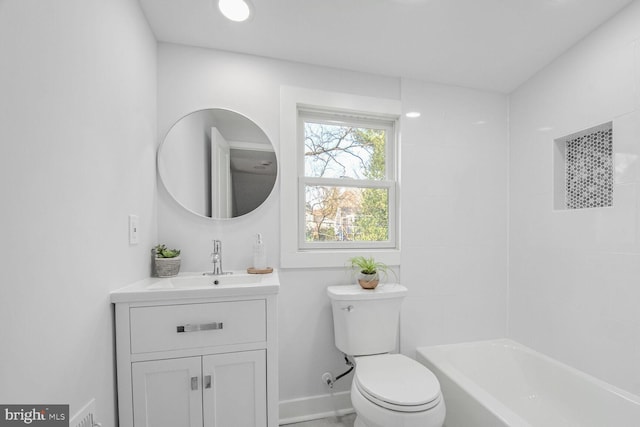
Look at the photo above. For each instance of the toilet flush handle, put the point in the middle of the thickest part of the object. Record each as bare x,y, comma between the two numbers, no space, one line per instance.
348,308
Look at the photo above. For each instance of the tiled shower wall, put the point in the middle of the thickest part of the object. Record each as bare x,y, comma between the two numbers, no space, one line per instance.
574,282
454,215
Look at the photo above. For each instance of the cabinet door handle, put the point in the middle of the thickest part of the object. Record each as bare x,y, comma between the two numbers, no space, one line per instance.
207,381
200,327
194,383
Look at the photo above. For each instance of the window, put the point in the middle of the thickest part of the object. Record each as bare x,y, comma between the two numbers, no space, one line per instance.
348,181
338,178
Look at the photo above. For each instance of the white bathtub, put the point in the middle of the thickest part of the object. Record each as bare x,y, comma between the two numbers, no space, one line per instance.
503,383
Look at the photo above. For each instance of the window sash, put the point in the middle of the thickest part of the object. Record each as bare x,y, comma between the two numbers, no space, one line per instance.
345,119
390,186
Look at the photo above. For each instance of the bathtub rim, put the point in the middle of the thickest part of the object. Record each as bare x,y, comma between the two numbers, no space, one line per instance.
435,358
442,366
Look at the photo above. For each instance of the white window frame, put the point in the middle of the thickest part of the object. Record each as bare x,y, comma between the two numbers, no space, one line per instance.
390,183
294,251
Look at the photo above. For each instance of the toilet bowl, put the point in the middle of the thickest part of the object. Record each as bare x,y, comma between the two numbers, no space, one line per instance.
388,390
392,390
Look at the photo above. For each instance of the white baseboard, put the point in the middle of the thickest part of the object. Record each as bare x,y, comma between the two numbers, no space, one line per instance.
315,407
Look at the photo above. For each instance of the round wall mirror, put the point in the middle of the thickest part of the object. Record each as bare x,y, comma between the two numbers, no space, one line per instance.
217,163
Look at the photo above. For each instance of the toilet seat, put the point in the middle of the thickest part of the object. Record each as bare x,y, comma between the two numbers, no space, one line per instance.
396,382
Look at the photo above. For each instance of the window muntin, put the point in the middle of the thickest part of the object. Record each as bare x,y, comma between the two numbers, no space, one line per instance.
347,187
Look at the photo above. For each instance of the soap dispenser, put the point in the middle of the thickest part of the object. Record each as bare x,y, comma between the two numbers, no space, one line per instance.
259,254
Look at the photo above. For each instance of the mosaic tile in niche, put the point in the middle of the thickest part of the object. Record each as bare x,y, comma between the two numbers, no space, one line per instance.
589,169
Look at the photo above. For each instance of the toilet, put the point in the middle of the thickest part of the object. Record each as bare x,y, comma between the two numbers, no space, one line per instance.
388,390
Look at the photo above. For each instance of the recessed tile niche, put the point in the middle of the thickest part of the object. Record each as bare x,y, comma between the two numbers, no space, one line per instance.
583,169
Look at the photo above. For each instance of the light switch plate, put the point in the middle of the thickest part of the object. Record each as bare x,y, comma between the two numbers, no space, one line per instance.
133,230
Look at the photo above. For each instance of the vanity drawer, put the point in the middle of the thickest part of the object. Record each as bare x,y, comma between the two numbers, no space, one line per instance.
184,326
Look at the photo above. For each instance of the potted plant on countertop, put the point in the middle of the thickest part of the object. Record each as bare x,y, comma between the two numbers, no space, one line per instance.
368,271
167,261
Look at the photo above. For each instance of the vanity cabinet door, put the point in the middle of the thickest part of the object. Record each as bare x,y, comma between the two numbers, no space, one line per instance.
167,393
235,389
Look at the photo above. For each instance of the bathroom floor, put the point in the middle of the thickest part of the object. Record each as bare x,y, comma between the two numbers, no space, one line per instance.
342,421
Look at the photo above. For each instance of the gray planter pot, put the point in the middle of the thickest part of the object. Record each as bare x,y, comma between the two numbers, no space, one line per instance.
167,267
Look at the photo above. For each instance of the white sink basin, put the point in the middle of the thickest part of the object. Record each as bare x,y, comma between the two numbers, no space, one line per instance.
197,285
205,281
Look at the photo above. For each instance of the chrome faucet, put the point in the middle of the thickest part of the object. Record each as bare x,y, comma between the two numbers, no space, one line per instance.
216,258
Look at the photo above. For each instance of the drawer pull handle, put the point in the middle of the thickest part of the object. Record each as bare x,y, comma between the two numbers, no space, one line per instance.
194,383
201,327
207,381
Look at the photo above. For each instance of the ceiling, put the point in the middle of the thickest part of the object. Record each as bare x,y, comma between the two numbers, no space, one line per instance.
486,44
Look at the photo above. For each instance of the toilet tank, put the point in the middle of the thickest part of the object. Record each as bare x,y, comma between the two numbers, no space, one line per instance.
365,321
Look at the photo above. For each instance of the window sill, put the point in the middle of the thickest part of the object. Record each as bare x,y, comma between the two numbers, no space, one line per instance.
335,257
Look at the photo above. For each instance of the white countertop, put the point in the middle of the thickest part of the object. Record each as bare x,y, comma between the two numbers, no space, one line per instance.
197,285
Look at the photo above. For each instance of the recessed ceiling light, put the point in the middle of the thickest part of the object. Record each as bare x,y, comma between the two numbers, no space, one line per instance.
235,10
413,114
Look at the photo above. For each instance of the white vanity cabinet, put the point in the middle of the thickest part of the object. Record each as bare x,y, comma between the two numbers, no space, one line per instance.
162,395
218,390
197,359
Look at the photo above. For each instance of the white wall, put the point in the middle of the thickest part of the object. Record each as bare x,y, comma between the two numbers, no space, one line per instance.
574,275
77,142
454,215
446,138
191,79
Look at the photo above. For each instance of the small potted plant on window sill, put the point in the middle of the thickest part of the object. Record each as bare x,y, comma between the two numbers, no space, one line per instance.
369,271
167,261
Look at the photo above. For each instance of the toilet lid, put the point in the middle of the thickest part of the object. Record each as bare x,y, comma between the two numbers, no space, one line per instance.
397,382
